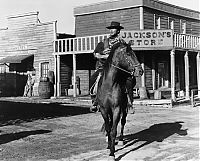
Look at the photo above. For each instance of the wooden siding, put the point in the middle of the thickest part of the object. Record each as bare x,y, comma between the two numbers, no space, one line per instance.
84,81
97,22
148,71
127,4
25,35
14,21
66,68
192,25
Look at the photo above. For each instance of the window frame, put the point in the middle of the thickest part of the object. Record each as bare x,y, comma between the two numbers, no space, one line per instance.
157,21
183,26
44,69
171,23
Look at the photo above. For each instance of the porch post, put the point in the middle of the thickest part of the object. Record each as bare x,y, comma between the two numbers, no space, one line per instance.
55,71
153,73
142,64
143,76
187,82
58,76
172,55
198,73
74,76
141,19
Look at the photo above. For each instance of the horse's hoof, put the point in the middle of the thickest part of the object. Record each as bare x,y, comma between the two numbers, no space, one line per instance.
111,158
120,143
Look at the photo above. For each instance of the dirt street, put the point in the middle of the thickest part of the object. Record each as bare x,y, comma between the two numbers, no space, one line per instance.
57,132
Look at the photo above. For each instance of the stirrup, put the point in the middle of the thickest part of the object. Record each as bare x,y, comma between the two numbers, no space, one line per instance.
94,109
131,108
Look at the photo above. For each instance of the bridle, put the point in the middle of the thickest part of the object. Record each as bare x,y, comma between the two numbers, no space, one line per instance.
131,73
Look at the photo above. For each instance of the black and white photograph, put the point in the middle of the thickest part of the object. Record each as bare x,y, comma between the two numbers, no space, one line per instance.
99,80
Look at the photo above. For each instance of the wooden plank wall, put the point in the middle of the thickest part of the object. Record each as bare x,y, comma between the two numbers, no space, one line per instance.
97,22
84,81
66,69
148,70
192,25
25,35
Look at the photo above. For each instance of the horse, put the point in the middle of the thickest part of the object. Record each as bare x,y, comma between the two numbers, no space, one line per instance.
111,94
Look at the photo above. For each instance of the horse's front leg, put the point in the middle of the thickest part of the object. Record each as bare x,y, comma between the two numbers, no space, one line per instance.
123,122
113,133
106,127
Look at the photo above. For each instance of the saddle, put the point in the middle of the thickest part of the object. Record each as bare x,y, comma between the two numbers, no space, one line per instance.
93,89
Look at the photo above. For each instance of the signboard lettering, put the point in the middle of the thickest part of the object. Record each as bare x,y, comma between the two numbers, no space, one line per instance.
148,38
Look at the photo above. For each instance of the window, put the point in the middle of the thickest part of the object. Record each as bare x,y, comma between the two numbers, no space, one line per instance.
2,72
2,69
44,69
170,23
156,21
182,26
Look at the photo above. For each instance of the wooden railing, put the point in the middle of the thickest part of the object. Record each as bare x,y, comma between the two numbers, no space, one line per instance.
186,41
78,44
87,44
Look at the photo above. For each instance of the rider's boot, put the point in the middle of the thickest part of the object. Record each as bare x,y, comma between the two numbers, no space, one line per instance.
94,107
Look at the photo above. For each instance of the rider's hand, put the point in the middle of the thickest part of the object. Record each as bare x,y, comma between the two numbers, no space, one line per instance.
99,56
106,51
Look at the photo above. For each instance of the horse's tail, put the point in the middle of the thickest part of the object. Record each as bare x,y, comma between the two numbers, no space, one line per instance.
103,128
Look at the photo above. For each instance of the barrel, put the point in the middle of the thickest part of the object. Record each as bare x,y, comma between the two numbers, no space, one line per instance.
44,88
51,77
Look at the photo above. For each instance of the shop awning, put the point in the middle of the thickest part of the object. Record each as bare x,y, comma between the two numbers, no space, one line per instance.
15,59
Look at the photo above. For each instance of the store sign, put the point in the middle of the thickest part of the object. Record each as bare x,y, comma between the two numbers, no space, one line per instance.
148,38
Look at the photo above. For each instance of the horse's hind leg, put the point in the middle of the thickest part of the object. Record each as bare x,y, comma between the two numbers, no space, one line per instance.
123,122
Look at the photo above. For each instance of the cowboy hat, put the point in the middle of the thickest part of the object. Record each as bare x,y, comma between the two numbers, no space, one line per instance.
115,25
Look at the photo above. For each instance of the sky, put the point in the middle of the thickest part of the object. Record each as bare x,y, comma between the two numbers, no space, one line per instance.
62,10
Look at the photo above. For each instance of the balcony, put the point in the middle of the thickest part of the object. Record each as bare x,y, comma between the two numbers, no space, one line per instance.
184,41
87,44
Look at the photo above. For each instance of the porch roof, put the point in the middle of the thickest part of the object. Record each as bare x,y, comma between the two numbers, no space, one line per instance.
15,59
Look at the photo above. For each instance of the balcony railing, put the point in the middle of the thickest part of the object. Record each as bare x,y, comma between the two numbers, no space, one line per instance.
78,45
186,41
87,44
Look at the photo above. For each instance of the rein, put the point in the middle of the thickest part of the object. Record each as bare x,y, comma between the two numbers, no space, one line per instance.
131,73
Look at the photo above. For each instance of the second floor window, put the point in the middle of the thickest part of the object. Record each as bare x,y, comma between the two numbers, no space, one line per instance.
170,23
2,72
44,69
156,21
2,69
182,26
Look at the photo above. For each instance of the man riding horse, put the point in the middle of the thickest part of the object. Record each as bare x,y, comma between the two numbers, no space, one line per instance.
101,53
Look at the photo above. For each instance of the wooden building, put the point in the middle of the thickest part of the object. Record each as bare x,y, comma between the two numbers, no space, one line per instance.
165,38
26,46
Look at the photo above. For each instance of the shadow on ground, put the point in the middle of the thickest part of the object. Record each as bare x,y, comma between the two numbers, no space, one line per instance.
157,132
6,138
12,113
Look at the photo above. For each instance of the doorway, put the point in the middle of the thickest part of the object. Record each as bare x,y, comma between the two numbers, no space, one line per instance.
162,76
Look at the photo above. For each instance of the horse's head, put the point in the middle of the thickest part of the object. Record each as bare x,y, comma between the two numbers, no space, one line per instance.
125,59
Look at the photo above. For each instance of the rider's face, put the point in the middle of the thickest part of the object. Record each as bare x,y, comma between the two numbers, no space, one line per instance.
114,32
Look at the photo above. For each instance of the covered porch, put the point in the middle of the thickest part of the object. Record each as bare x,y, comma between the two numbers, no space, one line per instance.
177,69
